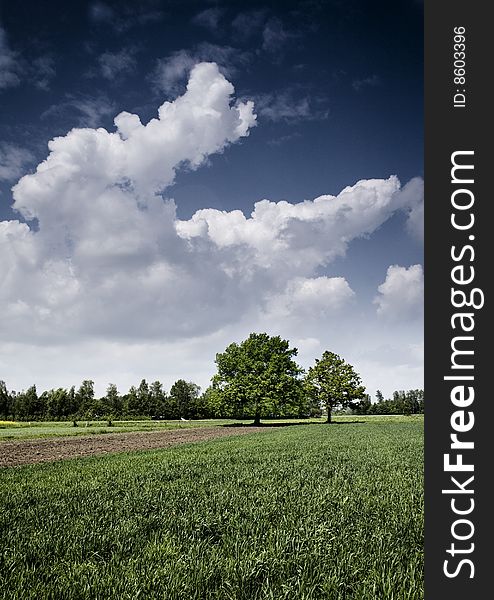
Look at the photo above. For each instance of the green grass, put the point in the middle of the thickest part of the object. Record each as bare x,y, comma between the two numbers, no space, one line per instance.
34,429
41,429
309,512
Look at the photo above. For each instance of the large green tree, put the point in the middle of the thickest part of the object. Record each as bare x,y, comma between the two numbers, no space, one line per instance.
333,382
258,378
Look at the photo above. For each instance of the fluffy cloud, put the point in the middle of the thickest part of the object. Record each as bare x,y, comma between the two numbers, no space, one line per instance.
310,297
413,202
402,293
298,238
108,274
104,237
415,221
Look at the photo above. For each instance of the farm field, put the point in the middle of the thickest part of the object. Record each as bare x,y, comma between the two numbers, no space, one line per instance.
10,430
40,429
304,512
30,451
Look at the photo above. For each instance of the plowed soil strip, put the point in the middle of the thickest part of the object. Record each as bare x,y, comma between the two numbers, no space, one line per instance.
24,452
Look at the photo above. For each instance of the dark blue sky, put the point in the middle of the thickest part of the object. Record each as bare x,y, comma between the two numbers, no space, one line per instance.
350,71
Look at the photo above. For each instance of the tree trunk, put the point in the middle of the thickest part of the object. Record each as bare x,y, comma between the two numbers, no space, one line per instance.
257,418
329,416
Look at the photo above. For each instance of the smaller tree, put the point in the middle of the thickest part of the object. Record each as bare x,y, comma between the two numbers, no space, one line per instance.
131,402
27,405
332,382
183,395
85,398
55,403
4,400
157,398
364,406
112,402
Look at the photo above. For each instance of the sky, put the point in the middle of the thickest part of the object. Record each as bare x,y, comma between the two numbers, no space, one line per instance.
175,175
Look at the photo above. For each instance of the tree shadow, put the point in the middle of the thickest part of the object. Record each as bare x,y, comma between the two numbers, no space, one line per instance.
272,425
344,422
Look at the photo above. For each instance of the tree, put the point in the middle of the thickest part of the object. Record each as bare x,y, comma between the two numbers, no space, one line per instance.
4,400
183,396
84,398
112,402
131,402
333,382
257,378
364,406
72,407
56,403
211,403
202,406
157,398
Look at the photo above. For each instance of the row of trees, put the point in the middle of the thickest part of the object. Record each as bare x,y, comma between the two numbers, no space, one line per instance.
257,378
402,403
146,400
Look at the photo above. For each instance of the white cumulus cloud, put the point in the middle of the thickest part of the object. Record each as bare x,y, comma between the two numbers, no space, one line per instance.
298,237
311,297
108,265
413,200
402,293
105,259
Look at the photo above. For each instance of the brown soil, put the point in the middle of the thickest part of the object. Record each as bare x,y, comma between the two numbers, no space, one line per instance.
24,452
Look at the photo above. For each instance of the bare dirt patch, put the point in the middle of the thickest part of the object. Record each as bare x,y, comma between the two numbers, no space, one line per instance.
25,452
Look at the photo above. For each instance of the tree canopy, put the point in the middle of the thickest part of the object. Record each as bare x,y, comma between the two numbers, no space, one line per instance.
258,378
183,397
332,382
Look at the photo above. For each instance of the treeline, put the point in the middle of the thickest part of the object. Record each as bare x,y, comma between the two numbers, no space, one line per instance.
147,400
184,400
402,403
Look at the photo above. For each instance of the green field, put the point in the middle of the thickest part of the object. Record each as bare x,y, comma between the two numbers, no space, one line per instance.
28,430
10,430
304,512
